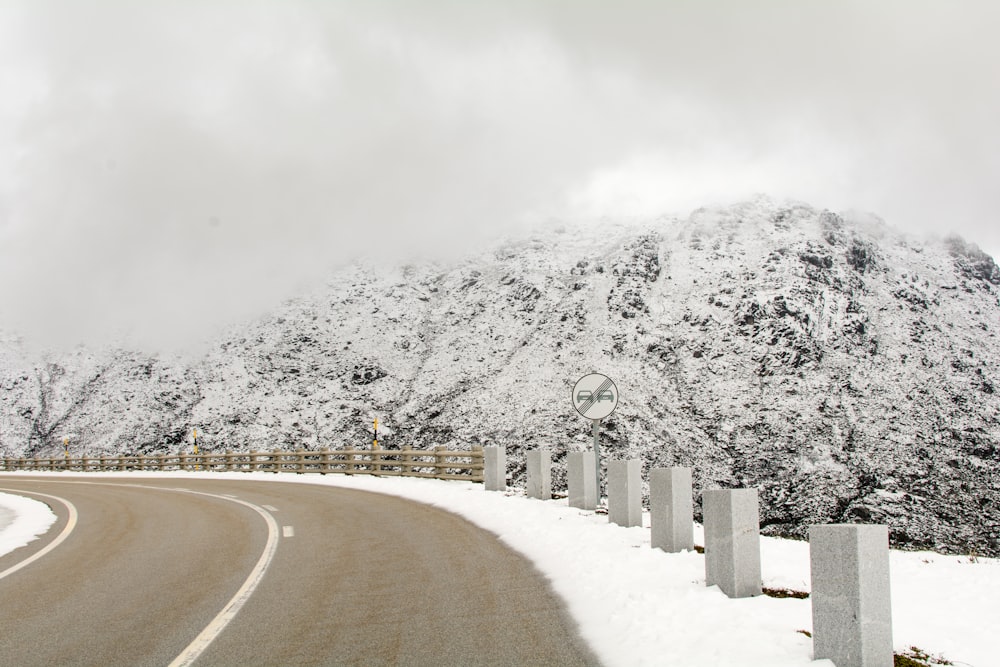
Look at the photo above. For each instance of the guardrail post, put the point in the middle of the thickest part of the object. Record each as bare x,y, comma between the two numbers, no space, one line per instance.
439,461
625,492
540,474
495,468
851,607
404,460
671,511
581,480
477,460
732,541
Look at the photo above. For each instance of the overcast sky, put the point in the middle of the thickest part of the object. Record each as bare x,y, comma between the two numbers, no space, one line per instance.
167,168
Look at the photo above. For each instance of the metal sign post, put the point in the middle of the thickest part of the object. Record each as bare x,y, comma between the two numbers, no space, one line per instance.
194,436
595,396
597,458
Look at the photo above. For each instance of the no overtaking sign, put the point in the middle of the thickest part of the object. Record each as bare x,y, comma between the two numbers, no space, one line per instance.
595,396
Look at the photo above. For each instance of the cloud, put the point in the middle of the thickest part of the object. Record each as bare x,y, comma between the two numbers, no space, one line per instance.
169,169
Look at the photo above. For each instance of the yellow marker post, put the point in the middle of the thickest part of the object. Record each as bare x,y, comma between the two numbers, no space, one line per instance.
194,434
375,441
66,448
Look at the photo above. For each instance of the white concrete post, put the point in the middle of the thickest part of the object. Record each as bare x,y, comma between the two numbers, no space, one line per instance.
581,480
732,541
539,474
495,468
851,608
671,511
625,493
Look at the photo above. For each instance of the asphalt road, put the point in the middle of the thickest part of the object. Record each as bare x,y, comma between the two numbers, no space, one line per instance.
241,572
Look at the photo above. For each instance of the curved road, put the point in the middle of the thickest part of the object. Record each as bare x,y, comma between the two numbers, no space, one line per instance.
316,575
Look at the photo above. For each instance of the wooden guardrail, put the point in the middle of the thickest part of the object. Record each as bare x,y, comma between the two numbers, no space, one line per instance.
437,463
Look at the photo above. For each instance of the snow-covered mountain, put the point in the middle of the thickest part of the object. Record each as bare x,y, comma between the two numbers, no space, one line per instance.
849,372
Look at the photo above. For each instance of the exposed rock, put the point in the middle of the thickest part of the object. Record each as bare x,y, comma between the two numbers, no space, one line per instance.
847,374
972,262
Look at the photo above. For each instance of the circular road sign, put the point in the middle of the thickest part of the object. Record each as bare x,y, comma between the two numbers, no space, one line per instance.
595,396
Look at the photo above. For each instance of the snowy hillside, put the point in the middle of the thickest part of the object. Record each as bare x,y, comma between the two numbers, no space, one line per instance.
849,372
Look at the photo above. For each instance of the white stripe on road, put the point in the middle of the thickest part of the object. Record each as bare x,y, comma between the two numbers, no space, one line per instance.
270,508
70,525
288,531
228,613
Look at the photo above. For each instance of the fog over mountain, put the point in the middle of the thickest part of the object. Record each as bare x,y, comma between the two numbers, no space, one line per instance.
168,169
846,369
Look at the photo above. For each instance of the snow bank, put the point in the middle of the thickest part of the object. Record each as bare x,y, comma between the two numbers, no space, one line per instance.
22,520
637,606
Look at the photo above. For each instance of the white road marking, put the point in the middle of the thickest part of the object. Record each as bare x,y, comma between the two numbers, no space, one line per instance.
228,613
70,525
228,495
270,508
288,531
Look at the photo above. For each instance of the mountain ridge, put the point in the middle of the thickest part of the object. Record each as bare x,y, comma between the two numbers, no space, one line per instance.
848,372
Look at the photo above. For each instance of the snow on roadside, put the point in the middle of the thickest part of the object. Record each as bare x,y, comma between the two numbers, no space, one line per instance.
26,520
639,606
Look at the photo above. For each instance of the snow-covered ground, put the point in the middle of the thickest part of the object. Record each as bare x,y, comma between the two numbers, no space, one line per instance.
21,521
639,606
845,370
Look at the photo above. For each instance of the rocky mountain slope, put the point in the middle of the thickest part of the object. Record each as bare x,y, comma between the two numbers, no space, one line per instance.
847,371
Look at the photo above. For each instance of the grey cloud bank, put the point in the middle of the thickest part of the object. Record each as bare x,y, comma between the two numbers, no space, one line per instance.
168,169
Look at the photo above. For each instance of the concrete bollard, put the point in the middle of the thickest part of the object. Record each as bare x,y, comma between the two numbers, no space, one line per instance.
732,541
581,480
625,493
671,511
495,468
539,474
851,607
